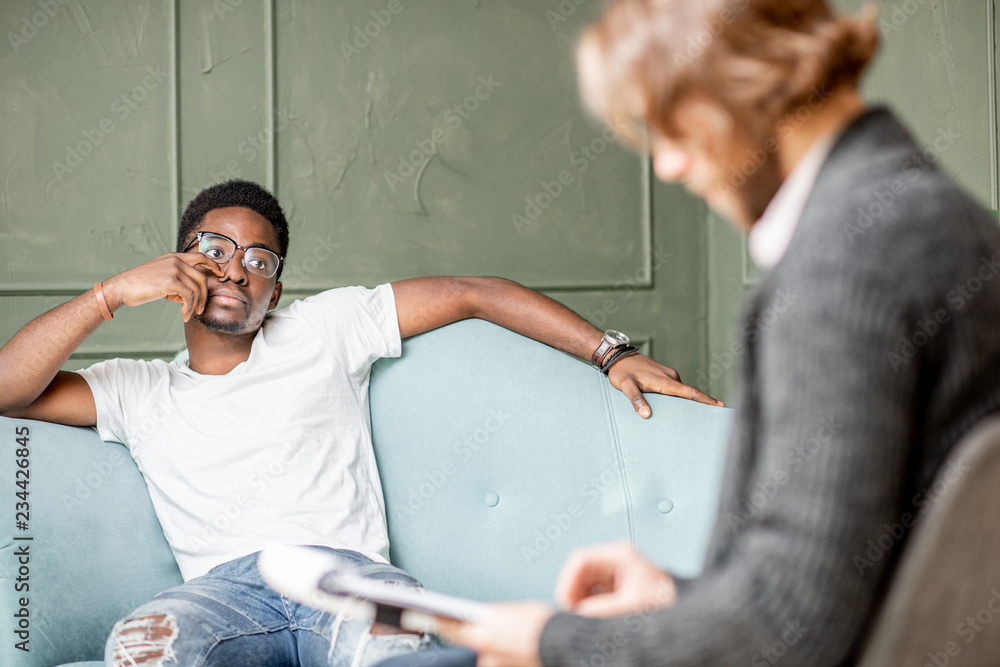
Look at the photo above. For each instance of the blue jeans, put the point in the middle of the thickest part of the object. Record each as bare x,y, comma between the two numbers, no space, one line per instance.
229,616
452,656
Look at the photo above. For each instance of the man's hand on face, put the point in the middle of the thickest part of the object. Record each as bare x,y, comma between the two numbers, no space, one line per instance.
177,276
638,373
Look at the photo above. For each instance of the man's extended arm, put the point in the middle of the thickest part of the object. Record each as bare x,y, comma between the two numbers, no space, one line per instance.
29,365
423,304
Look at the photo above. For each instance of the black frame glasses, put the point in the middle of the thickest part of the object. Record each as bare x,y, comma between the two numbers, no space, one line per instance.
246,249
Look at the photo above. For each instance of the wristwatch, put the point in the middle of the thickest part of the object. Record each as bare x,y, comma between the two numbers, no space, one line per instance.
611,340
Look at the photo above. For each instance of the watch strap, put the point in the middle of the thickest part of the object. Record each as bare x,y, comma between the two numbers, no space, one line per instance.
601,351
620,353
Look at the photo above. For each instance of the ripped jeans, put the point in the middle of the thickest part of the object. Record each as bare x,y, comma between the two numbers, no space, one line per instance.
229,616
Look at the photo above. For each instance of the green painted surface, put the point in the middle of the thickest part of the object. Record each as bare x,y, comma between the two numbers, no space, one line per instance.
410,150
403,138
417,149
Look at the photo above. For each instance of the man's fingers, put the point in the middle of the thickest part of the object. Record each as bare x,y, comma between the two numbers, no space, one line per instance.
631,389
681,390
188,290
200,281
695,395
637,373
196,259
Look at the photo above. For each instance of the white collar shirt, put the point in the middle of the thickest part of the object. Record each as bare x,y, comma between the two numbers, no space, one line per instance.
771,234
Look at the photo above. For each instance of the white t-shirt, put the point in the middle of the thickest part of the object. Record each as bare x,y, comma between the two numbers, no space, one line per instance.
277,451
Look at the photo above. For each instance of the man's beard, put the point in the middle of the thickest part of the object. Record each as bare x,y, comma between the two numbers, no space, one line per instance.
749,200
223,326
756,194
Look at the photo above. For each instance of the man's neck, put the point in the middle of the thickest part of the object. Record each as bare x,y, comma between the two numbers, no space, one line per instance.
831,116
215,353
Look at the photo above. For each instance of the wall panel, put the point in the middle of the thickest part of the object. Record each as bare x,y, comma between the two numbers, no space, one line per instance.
414,144
86,142
86,150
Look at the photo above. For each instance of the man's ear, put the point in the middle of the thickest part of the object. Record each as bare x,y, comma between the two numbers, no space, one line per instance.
275,296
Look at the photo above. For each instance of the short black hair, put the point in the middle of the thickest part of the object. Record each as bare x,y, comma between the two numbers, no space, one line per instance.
235,193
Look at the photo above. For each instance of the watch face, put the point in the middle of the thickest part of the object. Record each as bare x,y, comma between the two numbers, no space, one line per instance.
616,337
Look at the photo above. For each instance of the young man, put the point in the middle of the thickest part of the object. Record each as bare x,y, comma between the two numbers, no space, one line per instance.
849,400
260,386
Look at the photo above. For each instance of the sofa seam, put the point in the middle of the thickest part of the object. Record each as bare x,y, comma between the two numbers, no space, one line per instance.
619,458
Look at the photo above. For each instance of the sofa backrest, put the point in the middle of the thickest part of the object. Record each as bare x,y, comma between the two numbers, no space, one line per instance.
498,455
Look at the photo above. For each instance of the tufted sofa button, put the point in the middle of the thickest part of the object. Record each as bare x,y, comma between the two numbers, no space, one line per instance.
492,499
665,506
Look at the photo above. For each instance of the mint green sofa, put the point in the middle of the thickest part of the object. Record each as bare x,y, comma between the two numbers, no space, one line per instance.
498,455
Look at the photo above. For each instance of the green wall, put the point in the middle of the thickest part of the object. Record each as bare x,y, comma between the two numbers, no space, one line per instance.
407,151
448,139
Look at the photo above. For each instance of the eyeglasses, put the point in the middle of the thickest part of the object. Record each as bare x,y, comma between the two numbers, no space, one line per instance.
220,249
